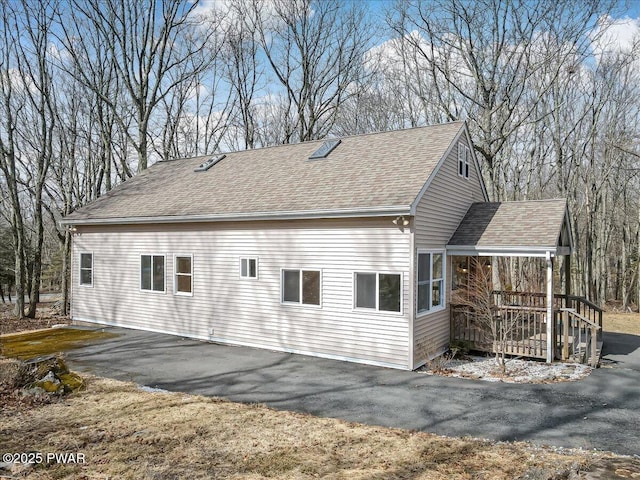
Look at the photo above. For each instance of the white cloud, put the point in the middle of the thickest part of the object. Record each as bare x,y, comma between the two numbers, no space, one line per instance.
615,35
229,13
19,82
60,54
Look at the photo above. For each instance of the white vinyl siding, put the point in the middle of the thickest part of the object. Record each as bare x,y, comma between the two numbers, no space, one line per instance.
438,215
183,275
86,269
229,309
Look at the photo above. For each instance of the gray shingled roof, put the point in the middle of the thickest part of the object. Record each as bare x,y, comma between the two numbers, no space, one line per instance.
505,225
364,172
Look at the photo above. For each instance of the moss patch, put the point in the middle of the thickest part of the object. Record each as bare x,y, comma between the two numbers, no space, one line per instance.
47,342
71,381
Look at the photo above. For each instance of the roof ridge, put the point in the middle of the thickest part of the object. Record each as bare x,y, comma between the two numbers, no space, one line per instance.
308,142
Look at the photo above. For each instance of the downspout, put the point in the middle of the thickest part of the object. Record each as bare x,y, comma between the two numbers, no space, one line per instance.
412,303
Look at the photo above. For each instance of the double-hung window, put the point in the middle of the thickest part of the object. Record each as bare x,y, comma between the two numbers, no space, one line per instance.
378,291
430,281
301,286
152,273
464,159
249,267
86,269
183,276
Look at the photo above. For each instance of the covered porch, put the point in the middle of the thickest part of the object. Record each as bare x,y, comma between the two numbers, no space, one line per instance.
547,323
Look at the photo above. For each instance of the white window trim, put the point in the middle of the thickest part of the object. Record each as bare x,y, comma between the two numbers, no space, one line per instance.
88,285
444,282
464,159
175,274
164,284
257,268
377,310
467,162
299,304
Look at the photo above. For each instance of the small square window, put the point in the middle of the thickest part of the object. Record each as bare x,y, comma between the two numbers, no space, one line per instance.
249,267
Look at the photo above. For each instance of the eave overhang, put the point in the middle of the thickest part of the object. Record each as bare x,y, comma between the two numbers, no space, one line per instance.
386,211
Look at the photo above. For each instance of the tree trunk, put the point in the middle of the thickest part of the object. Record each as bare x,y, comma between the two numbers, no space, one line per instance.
20,277
34,292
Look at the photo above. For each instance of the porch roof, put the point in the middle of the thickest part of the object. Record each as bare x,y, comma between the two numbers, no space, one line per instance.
525,228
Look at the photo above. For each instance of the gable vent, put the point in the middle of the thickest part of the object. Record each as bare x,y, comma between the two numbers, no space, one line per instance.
325,149
206,165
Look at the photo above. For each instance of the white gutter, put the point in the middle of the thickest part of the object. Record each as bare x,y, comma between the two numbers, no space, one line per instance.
495,251
237,217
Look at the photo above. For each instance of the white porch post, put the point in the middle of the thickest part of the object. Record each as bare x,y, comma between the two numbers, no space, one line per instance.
550,320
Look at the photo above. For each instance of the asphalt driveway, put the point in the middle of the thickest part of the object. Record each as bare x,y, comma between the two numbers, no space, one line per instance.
601,411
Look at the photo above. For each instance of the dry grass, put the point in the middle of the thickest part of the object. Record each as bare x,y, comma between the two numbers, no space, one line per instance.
128,433
621,323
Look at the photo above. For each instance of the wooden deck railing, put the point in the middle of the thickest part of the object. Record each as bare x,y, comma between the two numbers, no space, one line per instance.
580,305
577,337
515,330
520,327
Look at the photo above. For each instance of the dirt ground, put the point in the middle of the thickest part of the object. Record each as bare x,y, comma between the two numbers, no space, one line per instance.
46,316
124,432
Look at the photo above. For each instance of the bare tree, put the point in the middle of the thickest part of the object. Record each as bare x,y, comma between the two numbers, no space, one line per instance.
153,47
9,164
315,52
479,58
26,150
34,66
243,70
195,117
478,296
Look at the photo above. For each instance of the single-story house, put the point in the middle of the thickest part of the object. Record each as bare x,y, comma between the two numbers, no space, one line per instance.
331,248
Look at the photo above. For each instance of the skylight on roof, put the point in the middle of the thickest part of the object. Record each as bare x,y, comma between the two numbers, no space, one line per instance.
207,164
325,149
